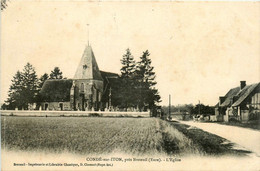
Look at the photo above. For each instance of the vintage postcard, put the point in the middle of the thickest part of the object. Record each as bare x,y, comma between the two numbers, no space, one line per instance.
130,85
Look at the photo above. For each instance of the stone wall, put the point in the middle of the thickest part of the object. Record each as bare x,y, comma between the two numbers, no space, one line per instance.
72,113
64,106
244,115
226,118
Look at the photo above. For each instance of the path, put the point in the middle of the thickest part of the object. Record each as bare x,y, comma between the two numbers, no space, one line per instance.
247,138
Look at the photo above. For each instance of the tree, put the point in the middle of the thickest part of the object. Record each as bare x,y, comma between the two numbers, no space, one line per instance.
42,79
15,91
24,88
126,79
56,73
3,4
202,109
146,92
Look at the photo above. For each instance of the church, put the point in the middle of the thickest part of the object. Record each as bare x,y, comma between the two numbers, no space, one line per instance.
90,89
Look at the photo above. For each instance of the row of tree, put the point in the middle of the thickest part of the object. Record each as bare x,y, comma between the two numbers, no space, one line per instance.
137,83
191,109
26,85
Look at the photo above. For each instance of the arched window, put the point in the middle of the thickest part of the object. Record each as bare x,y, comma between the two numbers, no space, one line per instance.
82,87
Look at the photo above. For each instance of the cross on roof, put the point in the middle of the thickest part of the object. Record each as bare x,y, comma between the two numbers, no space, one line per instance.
88,33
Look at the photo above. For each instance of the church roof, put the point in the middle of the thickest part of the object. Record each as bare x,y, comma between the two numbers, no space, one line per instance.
56,90
110,79
88,67
105,74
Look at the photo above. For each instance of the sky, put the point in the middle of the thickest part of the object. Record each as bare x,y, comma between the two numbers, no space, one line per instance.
199,50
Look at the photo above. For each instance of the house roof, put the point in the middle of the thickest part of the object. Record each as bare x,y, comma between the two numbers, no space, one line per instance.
244,93
88,67
240,95
228,97
56,90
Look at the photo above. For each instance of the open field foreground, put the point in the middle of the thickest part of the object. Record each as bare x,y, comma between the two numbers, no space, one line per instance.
67,143
60,140
91,135
96,135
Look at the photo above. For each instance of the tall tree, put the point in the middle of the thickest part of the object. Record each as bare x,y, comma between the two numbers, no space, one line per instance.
15,90
3,4
126,79
148,95
56,73
42,79
24,88
30,85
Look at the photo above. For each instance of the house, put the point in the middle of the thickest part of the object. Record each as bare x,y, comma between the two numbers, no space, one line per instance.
240,103
89,89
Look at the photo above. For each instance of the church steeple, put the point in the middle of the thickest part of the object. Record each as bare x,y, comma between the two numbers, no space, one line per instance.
88,67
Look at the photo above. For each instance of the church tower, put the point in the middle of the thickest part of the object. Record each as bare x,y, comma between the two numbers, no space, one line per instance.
88,83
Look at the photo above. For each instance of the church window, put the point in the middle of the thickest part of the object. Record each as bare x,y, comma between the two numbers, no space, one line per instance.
82,87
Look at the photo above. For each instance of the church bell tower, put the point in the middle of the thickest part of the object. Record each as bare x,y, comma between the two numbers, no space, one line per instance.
88,83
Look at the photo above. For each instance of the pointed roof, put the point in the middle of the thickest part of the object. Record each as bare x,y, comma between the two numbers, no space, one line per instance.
88,68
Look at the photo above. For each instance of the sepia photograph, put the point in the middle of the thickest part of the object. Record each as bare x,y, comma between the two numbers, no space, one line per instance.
130,85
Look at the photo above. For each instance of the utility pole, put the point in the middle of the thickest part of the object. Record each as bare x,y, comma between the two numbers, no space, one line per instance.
169,106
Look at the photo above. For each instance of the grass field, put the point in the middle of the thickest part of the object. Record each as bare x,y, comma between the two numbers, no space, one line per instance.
90,135
100,135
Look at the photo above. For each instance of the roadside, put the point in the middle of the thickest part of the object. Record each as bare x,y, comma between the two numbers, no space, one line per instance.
252,124
247,138
208,143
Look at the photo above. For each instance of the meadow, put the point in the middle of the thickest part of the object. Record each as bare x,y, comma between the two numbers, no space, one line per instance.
94,135
107,136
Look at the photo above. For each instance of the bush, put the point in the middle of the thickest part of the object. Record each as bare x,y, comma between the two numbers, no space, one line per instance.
234,120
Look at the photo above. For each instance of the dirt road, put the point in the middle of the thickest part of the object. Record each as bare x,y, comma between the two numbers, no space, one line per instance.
247,138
